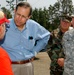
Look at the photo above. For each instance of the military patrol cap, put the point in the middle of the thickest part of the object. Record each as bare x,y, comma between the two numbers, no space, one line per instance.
67,18
72,16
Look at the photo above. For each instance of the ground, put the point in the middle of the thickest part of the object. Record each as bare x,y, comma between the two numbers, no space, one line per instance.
42,64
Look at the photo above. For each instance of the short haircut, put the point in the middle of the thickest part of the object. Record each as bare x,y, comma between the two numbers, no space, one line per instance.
25,5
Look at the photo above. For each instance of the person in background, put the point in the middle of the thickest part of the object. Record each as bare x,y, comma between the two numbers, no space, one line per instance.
72,22
24,39
68,46
55,50
5,62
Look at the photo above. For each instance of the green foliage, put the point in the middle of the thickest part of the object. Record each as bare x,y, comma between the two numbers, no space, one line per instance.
7,12
35,14
66,6
41,16
10,3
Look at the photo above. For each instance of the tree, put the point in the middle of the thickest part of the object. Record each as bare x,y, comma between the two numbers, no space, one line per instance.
41,16
35,14
66,6
7,12
53,16
45,18
10,3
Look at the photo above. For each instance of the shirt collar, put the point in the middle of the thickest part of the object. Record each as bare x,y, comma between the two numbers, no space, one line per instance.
15,27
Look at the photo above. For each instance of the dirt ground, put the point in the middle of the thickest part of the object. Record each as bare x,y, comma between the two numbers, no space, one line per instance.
42,64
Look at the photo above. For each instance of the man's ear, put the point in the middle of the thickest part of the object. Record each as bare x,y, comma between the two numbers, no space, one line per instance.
29,16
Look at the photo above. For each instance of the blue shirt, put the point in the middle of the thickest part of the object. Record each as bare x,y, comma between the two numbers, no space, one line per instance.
22,45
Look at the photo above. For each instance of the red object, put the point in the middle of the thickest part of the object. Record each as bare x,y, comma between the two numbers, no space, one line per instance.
5,63
4,20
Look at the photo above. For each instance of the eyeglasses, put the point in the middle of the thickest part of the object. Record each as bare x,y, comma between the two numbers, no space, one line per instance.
22,16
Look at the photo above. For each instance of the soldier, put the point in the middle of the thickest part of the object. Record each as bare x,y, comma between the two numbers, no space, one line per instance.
68,46
55,51
72,22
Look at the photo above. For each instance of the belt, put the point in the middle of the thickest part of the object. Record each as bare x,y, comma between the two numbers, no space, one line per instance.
23,61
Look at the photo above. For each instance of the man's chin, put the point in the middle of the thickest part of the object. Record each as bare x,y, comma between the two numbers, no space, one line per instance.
18,25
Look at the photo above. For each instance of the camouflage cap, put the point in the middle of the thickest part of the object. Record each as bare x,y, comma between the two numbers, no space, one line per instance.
72,16
66,18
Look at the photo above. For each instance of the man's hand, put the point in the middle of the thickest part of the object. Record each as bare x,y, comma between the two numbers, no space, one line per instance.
60,61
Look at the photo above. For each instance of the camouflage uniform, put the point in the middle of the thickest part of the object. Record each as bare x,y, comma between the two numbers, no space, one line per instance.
55,51
68,45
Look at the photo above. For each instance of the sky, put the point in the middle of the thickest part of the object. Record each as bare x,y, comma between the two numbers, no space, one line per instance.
41,3
34,3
